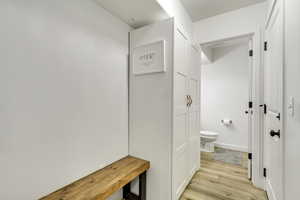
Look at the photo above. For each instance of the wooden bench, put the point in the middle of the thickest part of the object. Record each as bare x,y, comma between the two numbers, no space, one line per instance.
103,183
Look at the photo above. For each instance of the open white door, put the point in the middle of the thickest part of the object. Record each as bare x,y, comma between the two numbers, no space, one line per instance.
194,110
186,140
274,103
181,116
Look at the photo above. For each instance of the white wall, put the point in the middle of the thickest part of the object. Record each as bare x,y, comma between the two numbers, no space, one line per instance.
150,125
174,8
292,82
225,94
63,100
230,24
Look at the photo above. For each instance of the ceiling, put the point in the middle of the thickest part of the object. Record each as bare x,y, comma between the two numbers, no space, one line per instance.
200,9
136,13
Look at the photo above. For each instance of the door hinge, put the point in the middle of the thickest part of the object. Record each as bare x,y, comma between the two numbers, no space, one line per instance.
250,104
250,156
265,172
278,116
251,53
266,46
265,108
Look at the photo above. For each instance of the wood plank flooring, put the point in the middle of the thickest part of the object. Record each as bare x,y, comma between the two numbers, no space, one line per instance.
217,180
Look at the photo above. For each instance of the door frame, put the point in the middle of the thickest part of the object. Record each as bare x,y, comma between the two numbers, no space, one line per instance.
270,13
250,110
257,99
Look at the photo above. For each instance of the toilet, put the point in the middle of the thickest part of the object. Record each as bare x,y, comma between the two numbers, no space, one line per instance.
208,139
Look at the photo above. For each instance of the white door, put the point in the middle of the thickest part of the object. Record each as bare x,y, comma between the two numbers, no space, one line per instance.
194,110
274,102
180,127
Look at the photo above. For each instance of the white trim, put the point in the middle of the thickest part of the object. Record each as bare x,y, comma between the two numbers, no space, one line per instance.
270,191
185,183
257,136
251,87
232,147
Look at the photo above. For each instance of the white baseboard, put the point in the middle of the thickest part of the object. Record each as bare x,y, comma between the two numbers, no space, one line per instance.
185,183
232,147
270,191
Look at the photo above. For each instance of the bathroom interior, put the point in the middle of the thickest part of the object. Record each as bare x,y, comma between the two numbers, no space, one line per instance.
225,97
149,100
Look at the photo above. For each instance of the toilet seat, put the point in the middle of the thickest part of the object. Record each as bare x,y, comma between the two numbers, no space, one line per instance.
208,134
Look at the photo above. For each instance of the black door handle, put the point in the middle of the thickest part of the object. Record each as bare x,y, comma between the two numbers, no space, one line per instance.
275,133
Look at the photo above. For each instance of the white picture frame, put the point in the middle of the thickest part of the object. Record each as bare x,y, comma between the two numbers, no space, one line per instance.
149,58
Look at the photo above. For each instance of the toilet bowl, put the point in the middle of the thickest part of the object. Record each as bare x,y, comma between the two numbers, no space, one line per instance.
208,139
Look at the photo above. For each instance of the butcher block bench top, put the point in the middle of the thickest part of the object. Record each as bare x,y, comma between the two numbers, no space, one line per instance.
102,183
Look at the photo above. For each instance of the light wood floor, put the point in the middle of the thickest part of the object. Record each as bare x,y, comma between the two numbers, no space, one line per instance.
221,181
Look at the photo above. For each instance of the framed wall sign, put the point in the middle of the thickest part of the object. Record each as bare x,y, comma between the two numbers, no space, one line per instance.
149,58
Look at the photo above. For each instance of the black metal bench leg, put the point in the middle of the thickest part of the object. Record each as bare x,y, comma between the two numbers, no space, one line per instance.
142,186
128,195
126,191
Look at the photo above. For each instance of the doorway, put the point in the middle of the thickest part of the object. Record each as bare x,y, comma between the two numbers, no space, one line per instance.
227,98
